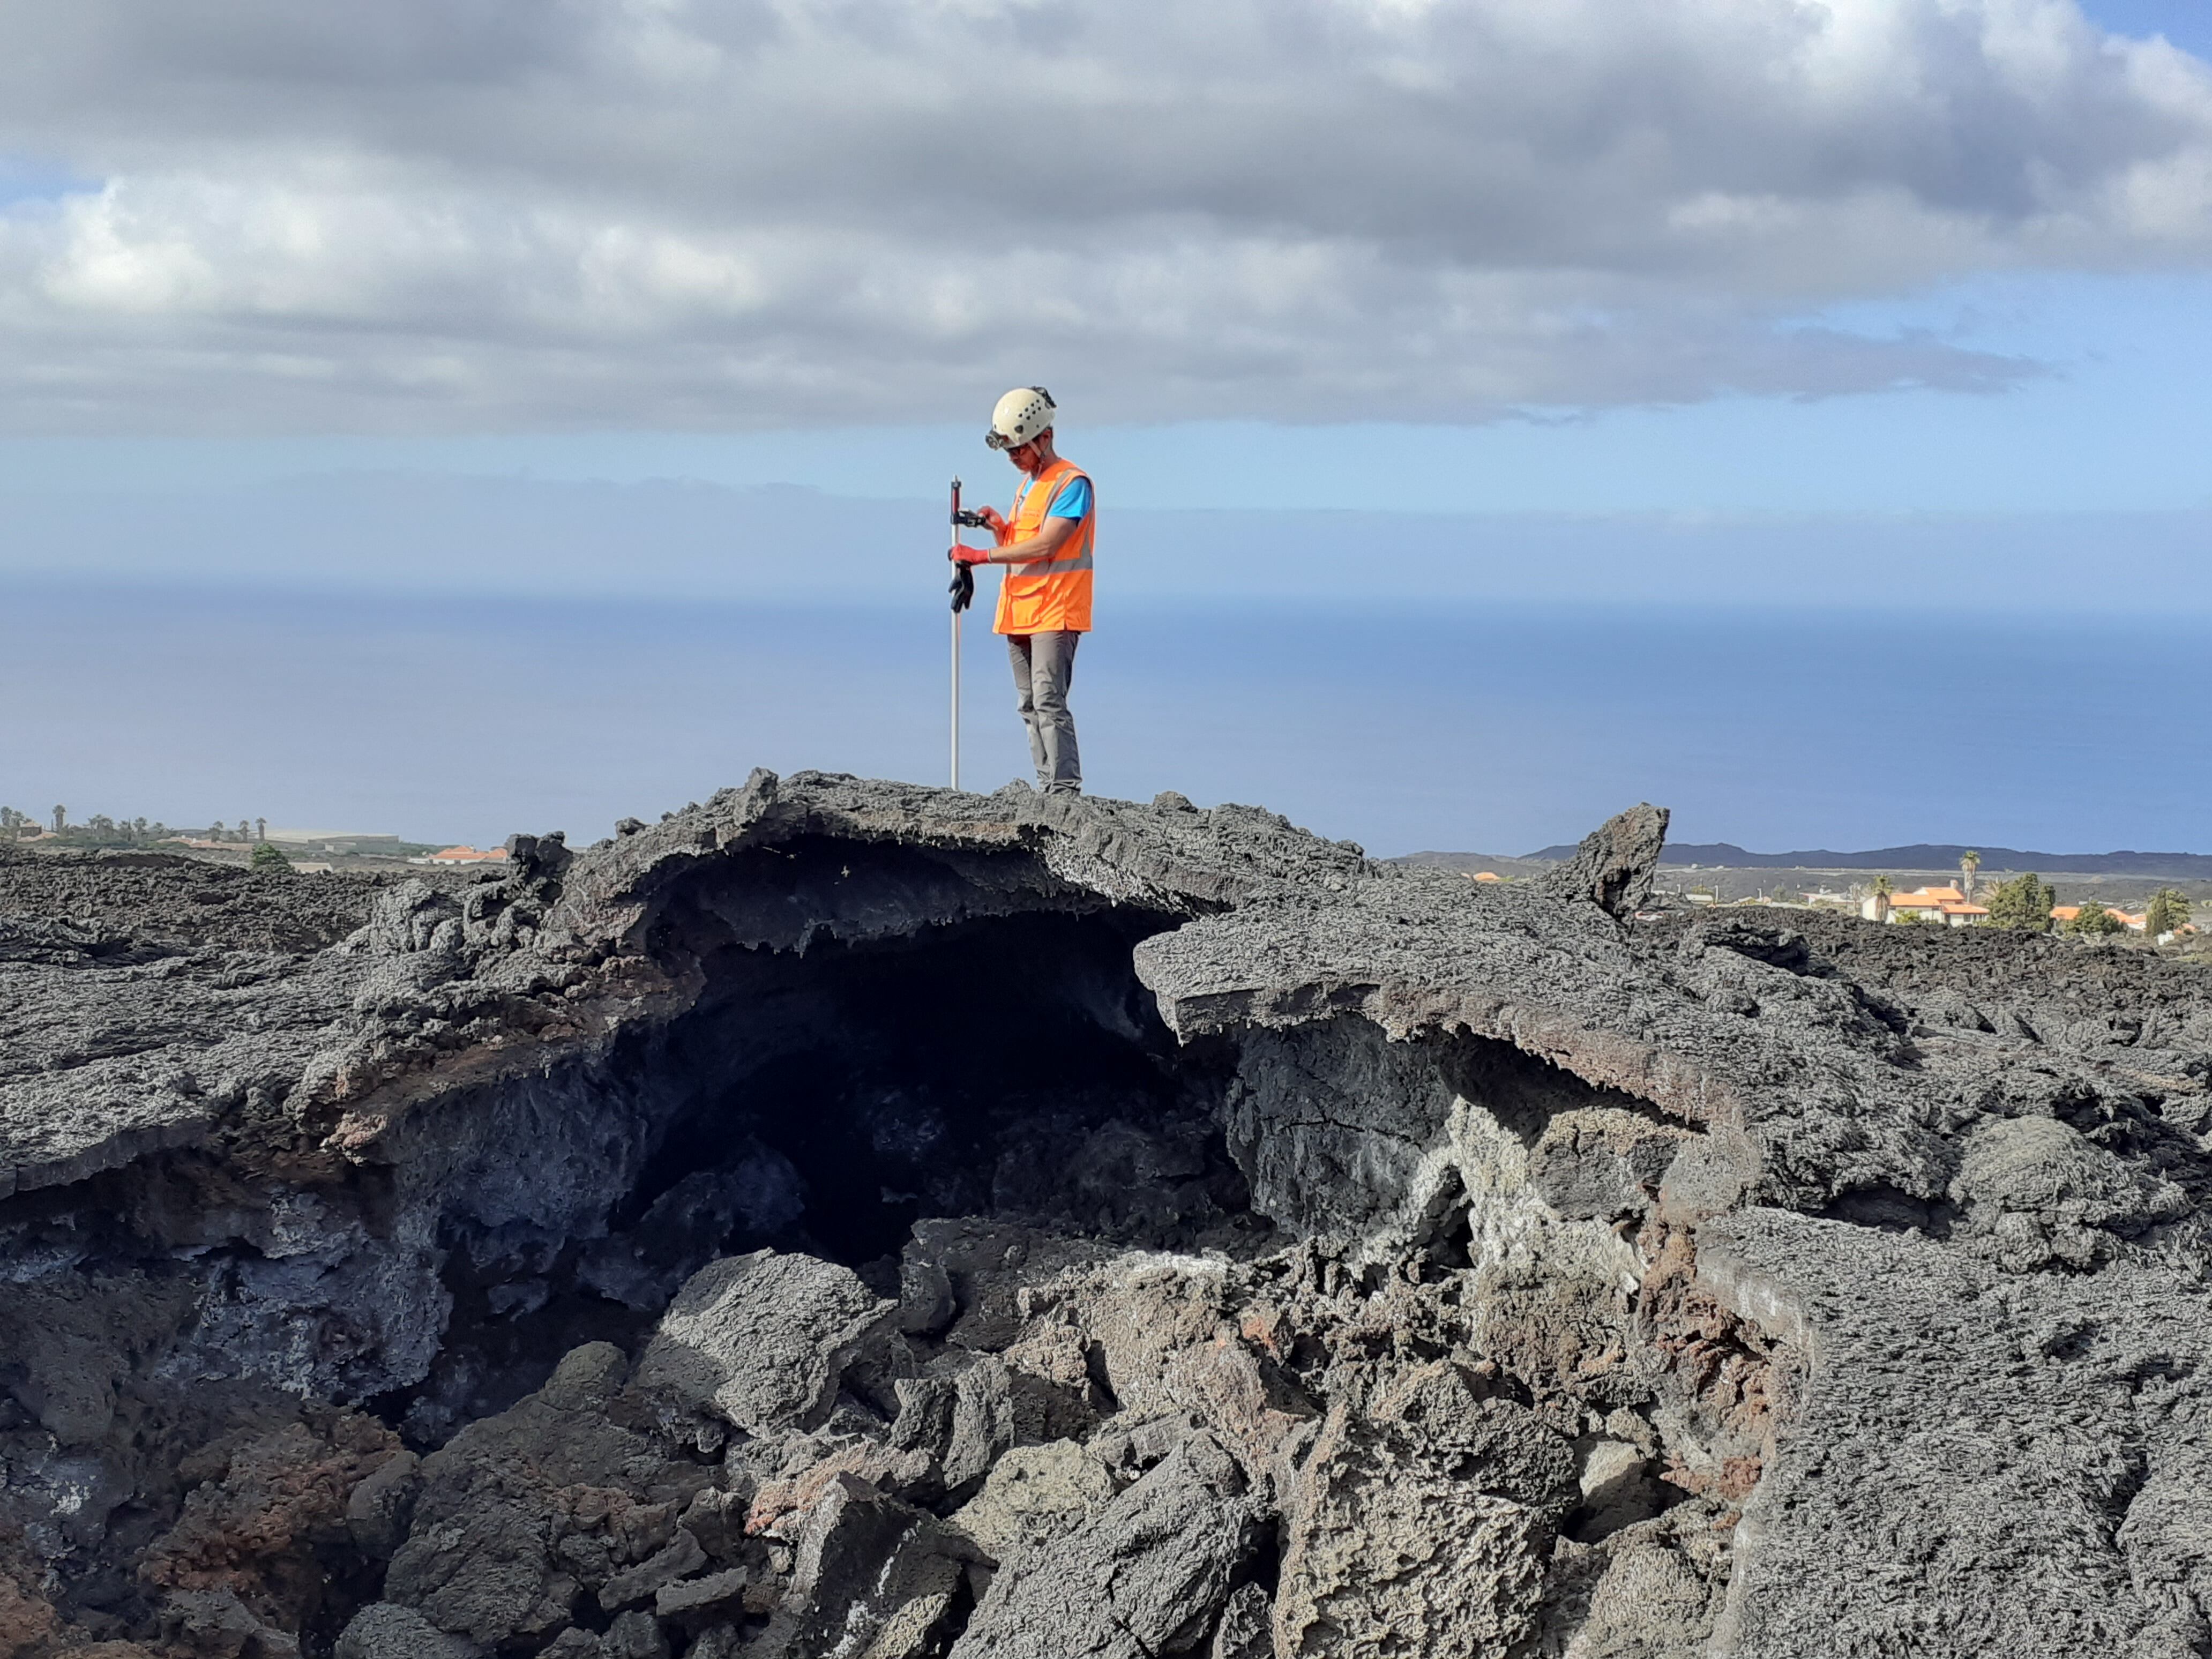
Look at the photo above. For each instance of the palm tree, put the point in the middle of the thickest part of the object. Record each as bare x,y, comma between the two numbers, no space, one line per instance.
1881,892
1970,864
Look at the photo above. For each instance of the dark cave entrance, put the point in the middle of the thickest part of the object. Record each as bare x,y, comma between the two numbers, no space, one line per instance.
1012,1066
824,1100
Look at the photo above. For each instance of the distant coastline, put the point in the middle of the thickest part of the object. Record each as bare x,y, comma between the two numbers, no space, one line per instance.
1925,856
1730,873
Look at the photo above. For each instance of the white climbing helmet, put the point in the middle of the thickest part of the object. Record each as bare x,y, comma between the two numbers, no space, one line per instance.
1021,414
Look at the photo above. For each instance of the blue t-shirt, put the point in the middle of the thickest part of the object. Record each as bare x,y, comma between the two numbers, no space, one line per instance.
1074,500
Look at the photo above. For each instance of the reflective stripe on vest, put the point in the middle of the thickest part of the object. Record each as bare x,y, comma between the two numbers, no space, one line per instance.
1051,595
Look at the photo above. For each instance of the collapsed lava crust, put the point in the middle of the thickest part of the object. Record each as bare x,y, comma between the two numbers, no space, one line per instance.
860,1219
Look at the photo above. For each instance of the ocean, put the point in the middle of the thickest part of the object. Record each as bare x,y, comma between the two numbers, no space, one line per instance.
1459,726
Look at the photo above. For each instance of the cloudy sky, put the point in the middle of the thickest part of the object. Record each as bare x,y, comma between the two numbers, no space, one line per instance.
1805,303
252,218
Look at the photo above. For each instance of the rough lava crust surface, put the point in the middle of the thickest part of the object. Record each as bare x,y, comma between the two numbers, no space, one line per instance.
853,1219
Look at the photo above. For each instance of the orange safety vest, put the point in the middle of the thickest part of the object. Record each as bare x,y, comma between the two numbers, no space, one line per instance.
1047,596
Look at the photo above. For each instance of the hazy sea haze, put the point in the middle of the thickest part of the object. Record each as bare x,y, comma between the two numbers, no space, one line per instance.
1463,726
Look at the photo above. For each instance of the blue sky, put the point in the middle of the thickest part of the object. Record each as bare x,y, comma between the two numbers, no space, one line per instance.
2187,23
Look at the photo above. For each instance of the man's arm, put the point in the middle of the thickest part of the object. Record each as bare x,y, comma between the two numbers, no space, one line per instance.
1042,546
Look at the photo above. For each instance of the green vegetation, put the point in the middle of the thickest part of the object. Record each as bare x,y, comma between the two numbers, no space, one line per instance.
98,830
266,857
2023,904
2093,921
2167,913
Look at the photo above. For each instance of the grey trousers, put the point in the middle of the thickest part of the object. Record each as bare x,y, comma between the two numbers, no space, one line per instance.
1044,667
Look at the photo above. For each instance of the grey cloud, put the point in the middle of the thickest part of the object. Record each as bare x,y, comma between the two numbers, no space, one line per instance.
726,212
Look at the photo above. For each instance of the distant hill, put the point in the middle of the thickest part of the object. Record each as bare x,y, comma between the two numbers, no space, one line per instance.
2191,866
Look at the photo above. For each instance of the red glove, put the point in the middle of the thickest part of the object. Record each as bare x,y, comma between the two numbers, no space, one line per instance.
969,555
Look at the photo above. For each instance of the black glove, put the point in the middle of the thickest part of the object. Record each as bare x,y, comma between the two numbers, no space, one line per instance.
963,586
